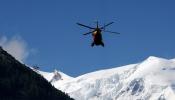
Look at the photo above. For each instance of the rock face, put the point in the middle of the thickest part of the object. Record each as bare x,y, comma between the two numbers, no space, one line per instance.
56,77
18,82
151,79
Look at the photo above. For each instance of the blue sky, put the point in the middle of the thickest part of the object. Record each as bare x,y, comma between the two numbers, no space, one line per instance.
49,27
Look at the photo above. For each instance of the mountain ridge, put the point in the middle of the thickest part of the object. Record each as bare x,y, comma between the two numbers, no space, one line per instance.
150,79
18,82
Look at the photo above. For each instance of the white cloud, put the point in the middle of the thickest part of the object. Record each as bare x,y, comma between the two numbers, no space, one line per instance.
16,46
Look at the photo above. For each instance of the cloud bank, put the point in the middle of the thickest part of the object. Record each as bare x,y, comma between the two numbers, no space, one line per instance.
16,46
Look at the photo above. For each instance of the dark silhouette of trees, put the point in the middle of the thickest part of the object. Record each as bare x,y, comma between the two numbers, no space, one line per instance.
19,82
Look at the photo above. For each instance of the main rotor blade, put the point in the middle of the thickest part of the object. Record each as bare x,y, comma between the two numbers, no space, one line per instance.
87,33
106,25
111,32
85,26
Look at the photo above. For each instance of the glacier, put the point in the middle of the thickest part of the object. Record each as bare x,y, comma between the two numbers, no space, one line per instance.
151,79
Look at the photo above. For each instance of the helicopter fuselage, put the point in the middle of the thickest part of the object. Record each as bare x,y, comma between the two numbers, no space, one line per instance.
96,33
97,37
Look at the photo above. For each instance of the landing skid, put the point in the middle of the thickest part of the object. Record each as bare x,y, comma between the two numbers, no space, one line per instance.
102,44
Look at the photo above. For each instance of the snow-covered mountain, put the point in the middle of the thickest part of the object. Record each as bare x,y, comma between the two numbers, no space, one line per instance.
152,79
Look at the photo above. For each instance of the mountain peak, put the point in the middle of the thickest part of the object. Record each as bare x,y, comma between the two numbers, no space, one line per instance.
149,80
56,76
154,58
152,65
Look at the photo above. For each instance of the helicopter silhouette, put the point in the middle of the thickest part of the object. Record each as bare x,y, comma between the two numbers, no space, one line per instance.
97,33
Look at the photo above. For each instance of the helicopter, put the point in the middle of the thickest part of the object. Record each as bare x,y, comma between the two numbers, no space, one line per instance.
97,33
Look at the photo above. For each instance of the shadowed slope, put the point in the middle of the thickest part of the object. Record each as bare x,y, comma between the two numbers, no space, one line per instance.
18,82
